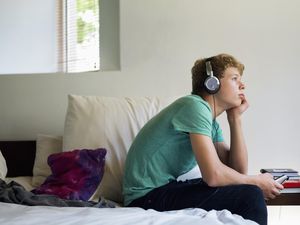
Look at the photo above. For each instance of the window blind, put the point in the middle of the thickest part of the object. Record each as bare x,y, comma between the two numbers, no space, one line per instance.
78,35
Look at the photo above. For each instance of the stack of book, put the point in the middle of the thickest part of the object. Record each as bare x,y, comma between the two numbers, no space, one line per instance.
292,184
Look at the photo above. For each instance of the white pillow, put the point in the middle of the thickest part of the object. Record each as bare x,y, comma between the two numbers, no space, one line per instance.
112,123
45,146
3,167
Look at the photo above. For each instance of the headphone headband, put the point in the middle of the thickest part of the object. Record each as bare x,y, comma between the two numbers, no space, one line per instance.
209,70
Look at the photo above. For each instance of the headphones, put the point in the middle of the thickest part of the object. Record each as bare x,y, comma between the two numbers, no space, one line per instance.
211,83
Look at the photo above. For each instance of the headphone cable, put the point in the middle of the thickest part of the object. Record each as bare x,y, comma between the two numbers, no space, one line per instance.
215,138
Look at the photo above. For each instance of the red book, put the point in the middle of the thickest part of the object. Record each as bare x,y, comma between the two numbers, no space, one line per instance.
291,184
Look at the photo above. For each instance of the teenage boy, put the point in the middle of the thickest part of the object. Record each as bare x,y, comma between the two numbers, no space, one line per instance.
185,134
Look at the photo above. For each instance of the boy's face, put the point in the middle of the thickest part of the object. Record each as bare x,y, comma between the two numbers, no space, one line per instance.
232,88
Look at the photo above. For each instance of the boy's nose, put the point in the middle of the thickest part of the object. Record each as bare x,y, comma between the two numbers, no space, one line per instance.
242,86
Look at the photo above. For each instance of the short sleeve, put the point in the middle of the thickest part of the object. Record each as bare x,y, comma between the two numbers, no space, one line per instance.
217,132
193,117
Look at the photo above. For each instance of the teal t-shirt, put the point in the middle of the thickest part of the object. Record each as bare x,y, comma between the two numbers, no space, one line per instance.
162,149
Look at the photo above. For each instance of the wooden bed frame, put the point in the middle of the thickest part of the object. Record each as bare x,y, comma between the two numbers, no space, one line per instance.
20,155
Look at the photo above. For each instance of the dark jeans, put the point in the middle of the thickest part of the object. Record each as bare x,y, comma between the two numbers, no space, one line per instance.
244,200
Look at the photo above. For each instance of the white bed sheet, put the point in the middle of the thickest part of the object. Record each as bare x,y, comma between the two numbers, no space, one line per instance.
13,214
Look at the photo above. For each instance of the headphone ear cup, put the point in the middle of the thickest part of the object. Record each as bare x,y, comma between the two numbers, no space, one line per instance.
212,84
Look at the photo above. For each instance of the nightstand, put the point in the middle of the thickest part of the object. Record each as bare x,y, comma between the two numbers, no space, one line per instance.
285,199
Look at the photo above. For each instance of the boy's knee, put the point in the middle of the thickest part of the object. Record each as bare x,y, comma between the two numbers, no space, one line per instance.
253,204
254,197
253,190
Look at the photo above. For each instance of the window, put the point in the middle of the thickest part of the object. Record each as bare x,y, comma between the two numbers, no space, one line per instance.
52,36
78,35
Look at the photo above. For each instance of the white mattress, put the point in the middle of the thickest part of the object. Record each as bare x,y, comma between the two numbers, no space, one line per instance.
12,214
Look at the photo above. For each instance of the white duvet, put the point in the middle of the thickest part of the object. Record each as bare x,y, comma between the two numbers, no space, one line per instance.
12,214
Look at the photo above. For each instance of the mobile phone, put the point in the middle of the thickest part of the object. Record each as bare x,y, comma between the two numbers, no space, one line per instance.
281,179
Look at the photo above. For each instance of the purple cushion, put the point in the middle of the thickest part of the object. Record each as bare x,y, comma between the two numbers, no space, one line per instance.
75,174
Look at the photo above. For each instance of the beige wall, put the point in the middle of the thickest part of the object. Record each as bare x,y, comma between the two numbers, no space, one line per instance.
159,41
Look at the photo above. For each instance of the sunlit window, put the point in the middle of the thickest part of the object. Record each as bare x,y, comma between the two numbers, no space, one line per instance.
59,36
78,34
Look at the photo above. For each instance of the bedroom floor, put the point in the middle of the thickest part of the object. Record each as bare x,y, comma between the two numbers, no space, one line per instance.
282,215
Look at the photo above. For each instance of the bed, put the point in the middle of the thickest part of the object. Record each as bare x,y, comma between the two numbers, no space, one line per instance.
104,127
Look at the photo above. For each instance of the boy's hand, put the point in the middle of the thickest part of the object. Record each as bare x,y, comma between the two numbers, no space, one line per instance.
236,112
268,185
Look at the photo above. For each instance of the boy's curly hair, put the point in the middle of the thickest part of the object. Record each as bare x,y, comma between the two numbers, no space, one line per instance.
219,64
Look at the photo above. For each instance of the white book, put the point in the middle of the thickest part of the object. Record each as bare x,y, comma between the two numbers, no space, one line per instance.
294,178
290,190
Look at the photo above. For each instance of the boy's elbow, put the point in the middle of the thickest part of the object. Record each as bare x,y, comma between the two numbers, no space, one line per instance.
212,179
241,170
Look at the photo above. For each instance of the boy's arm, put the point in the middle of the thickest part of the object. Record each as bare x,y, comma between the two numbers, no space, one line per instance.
236,157
215,173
